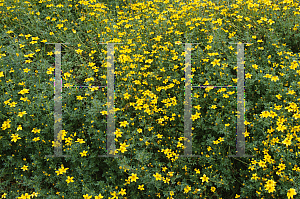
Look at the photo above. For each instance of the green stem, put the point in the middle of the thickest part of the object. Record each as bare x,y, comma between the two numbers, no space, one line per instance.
240,161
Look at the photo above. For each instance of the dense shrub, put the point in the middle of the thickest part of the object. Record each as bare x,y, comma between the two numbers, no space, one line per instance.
149,96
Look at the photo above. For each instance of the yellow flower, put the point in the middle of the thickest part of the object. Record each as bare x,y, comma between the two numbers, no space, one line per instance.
24,168
20,114
278,96
126,96
34,130
104,112
60,5
24,196
118,133
79,97
292,92
197,171
122,192
281,128
268,76
124,123
61,170
214,106
225,96
80,141
83,153
216,142
79,51
99,196
187,189
123,146
26,70
264,114
171,174
36,139
13,104
270,186
86,196
133,177
122,149
208,47
254,176
19,128
287,142
213,189
204,178
272,114
255,66
294,65
67,74
158,38
23,91
274,78
60,26
216,62
82,18
262,164
248,75
14,137
70,179
7,101
179,145
291,192
160,120
281,166
141,187
6,124
157,176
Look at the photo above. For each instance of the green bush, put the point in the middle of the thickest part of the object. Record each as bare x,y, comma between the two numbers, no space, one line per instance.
149,69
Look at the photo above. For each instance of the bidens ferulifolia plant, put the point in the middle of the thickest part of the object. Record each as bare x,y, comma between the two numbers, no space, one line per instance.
149,96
